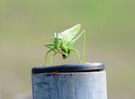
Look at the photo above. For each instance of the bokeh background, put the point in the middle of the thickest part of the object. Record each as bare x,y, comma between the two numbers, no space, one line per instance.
110,26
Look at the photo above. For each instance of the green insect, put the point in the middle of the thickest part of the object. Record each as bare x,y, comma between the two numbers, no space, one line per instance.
63,43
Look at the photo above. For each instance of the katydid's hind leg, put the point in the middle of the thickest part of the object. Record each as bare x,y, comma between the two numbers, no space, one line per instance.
78,55
84,47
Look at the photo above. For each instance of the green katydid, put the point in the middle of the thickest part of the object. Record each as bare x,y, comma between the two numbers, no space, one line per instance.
63,43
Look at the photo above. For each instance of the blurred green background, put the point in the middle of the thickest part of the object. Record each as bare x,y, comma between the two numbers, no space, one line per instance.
110,26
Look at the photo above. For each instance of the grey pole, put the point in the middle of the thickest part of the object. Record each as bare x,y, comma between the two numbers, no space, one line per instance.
77,81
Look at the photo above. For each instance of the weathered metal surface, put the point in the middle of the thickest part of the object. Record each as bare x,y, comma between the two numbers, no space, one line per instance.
81,85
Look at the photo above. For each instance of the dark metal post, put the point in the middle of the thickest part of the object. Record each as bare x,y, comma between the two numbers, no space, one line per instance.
83,81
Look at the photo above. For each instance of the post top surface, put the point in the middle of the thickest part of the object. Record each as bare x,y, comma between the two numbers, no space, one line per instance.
88,67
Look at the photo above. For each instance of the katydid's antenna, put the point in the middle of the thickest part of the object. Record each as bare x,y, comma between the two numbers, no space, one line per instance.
55,35
46,39
42,40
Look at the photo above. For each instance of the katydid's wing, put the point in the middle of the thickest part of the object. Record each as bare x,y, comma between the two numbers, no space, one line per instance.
77,37
69,34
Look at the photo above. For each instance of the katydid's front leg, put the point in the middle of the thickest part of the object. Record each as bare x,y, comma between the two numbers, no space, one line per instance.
49,45
51,60
46,55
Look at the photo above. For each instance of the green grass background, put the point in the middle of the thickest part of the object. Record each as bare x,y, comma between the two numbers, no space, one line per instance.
110,27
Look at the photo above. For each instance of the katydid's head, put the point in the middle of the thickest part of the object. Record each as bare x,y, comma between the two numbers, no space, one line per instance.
57,41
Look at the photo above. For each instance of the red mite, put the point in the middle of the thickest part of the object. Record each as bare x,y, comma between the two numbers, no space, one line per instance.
54,73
